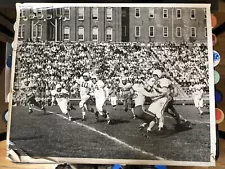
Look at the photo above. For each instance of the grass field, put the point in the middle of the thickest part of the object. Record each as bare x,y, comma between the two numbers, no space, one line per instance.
53,135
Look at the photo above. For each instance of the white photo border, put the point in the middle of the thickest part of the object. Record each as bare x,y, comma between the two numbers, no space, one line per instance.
53,160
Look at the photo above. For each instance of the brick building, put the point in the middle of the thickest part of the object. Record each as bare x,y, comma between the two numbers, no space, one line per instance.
72,24
117,24
167,24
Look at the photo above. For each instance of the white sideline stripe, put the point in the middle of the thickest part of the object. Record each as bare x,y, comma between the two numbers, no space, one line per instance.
192,121
108,136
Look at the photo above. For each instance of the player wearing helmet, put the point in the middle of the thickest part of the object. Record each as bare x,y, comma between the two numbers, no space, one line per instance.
158,105
140,94
154,80
61,97
100,97
85,86
29,89
159,84
197,95
113,95
126,91
182,123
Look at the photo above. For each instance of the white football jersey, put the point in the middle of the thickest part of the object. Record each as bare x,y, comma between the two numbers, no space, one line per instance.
125,89
85,86
162,85
151,82
139,97
198,91
57,94
99,90
164,82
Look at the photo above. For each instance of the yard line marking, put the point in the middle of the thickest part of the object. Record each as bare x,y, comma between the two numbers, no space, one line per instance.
192,121
108,136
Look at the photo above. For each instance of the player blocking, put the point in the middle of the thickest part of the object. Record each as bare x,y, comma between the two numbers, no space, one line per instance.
160,89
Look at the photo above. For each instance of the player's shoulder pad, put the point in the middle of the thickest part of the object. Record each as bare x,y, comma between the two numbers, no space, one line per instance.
53,92
64,91
129,84
100,83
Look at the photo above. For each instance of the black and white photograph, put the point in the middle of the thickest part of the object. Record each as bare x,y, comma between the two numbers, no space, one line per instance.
113,83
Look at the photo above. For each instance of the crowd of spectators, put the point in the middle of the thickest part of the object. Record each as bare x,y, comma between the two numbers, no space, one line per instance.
49,63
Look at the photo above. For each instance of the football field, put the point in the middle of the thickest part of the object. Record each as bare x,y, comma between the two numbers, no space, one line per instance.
52,135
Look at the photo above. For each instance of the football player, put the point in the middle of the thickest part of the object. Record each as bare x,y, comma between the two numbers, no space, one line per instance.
197,96
181,121
100,97
126,92
29,89
159,85
145,115
61,96
85,86
113,95
158,105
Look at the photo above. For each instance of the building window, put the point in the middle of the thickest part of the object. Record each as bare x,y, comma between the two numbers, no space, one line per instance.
81,33
109,14
34,31
165,13
39,12
95,34
178,32
192,14
137,31
124,13
151,13
67,13
205,13
205,31
21,32
151,31
39,30
137,12
22,13
178,13
58,11
124,30
66,34
165,31
95,13
49,11
193,32
80,13
109,34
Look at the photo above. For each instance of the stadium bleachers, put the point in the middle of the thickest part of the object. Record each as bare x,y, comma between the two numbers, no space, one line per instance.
64,62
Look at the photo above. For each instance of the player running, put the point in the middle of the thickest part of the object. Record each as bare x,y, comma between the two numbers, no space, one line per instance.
126,92
29,89
100,97
61,96
85,86
197,96
113,95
